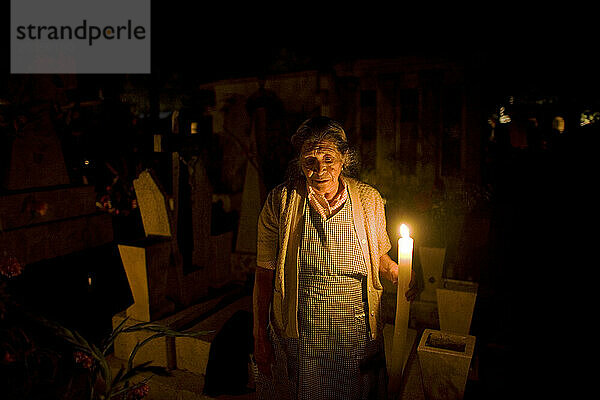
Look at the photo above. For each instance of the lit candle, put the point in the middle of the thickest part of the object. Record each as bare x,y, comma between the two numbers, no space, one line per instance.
399,350
405,252
89,283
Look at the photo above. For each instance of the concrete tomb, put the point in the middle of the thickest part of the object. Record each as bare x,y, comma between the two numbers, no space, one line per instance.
445,359
456,303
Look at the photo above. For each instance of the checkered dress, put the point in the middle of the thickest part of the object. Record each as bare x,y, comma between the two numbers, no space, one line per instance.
334,358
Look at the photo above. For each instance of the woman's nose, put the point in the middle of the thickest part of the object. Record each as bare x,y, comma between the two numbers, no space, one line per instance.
320,167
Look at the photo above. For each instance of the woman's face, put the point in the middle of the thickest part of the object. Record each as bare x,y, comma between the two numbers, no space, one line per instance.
322,165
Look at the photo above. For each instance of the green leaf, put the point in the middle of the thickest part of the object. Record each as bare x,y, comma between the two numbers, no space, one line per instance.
110,339
139,346
126,388
118,376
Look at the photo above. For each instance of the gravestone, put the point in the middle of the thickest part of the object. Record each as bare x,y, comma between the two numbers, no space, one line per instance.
210,256
153,206
36,158
49,224
253,194
152,278
148,263
162,289
42,214
40,224
252,201
432,267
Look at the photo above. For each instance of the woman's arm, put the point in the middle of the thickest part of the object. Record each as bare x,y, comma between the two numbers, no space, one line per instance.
262,296
266,258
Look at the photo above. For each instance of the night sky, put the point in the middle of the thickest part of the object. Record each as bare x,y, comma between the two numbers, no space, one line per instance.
519,50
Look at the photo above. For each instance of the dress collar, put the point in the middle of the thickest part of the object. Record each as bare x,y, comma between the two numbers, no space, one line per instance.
324,207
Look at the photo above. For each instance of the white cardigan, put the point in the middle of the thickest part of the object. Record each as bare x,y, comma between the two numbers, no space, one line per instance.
280,226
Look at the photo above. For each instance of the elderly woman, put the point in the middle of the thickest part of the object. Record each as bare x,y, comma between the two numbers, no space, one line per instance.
322,245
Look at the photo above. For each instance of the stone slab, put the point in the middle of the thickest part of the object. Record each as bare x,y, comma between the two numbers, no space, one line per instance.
36,157
186,317
161,351
192,353
158,350
18,209
57,238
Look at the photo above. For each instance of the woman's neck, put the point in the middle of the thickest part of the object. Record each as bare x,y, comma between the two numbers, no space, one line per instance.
334,193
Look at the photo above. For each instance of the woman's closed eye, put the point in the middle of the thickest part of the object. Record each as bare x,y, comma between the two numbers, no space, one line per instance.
310,162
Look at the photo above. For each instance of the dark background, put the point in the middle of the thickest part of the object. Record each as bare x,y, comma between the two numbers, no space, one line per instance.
538,52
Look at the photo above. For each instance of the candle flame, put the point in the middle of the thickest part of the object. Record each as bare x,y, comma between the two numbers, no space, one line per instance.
404,232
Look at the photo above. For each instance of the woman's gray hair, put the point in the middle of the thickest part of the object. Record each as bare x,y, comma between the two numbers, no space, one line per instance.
319,129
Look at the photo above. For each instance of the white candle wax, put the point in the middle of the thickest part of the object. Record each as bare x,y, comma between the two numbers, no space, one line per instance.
399,351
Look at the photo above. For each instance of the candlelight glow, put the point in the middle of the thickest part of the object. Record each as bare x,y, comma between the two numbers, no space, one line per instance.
404,232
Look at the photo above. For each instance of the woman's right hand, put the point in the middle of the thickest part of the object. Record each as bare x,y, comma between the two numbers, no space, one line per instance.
263,296
263,353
